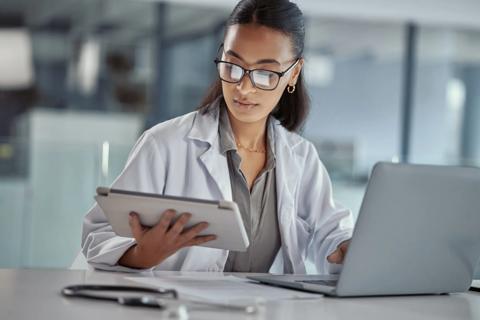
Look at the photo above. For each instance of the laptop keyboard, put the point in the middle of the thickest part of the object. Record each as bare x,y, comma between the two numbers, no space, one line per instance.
330,283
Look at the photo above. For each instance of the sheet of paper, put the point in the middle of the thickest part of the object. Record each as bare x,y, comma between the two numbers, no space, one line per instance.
223,289
476,283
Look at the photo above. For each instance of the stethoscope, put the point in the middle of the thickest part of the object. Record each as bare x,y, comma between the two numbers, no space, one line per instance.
149,297
97,292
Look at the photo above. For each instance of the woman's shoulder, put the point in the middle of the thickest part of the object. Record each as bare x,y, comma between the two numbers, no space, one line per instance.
299,145
175,128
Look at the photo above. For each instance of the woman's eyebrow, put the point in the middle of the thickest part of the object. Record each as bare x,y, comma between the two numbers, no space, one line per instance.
262,61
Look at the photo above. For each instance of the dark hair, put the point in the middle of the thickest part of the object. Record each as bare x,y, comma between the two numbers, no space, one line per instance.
284,16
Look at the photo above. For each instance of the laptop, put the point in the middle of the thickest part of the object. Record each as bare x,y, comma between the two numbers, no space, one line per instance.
417,232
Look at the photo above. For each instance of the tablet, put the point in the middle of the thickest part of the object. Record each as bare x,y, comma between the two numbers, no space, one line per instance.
223,217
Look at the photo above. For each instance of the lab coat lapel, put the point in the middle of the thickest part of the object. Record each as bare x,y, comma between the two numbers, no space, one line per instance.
205,129
205,133
217,166
288,173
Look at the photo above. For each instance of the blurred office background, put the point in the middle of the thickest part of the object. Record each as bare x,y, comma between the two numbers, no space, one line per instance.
80,81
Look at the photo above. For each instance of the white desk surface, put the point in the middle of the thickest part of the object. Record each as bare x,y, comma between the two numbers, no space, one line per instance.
35,294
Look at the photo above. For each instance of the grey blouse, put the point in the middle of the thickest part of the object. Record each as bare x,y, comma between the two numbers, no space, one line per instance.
258,207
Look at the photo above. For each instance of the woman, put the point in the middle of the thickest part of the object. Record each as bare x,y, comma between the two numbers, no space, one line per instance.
241,146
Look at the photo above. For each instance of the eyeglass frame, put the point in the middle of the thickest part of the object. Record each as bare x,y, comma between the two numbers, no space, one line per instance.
248,71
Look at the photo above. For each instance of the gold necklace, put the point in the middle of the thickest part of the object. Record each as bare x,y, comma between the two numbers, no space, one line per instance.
250,149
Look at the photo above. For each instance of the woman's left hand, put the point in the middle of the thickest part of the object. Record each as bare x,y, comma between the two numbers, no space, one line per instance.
338,255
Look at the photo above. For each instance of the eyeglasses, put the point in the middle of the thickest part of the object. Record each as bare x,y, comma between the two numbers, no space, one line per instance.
260,78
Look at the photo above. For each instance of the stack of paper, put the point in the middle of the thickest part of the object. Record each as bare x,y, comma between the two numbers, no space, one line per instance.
222,289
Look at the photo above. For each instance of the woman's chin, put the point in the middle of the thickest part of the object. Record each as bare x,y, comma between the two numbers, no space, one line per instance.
251,115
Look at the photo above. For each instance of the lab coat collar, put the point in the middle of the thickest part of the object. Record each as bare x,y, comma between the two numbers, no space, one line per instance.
205,124
205,128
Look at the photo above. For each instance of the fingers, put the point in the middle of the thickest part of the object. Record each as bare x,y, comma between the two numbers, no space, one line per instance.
176,235
165,221
344,246
199,240
135,225
178,226
336,257
190,233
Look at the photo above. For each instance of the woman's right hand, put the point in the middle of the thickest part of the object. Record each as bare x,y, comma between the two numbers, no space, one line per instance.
157,243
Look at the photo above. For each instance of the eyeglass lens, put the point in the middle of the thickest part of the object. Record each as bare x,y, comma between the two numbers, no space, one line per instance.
262,79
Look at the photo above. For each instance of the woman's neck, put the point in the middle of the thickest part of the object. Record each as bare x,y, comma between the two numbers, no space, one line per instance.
250,135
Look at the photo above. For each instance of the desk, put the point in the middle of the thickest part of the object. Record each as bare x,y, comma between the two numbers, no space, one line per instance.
34,294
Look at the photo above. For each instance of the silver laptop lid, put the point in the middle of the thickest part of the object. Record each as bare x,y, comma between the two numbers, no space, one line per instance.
418,231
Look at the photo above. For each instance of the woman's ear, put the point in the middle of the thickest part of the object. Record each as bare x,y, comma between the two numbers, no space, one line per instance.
296,72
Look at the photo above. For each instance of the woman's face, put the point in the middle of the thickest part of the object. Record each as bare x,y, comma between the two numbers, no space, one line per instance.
257,47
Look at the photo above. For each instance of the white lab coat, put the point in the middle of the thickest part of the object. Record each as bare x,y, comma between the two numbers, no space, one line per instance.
181,157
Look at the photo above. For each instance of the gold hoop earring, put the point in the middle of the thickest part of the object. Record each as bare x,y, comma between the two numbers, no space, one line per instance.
290,89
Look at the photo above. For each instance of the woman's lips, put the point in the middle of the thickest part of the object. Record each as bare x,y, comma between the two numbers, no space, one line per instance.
244,103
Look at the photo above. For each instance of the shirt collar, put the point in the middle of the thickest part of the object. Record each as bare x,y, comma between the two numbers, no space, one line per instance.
227,140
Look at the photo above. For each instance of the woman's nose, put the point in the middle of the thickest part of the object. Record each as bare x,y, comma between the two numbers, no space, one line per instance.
245,85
